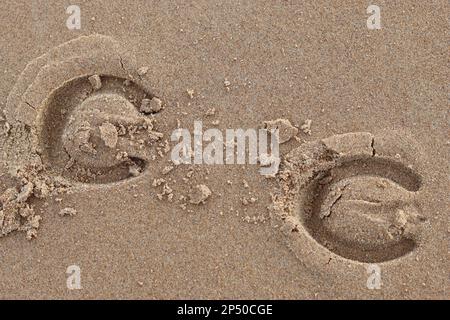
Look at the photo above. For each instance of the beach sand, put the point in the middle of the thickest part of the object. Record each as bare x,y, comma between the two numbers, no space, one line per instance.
362,184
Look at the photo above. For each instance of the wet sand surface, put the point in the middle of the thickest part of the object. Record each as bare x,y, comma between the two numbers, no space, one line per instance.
252,62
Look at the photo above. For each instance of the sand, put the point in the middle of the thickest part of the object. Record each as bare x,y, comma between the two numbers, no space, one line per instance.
86,177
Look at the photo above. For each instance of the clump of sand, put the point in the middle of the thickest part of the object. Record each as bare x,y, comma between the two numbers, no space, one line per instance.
17,215
306,126
340,192
199,194
286,130
99,134
70,212
109,134
149,106
16,212
95,82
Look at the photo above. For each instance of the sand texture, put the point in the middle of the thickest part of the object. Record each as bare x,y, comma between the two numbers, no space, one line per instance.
88,179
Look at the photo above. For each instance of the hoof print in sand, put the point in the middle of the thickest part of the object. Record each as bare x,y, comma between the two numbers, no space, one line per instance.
354,202
81,103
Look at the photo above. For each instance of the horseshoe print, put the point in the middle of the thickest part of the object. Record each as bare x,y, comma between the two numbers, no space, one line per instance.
80,103
352,198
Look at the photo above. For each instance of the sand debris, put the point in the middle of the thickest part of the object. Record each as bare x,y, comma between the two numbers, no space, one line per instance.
246,201
199,194
79,140
95,82
16,214
109,134
142,71
153,105
158,182
286,130
306,127
190,93
167,191
67,212
25,192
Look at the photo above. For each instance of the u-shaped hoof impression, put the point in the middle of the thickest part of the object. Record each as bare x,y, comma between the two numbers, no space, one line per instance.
354,202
